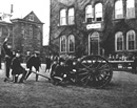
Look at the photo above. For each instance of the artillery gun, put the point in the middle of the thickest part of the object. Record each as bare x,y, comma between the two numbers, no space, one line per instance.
93,71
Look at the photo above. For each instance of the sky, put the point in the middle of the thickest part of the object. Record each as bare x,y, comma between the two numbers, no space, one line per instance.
23,7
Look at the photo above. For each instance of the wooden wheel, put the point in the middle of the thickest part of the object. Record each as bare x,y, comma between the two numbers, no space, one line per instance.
94,71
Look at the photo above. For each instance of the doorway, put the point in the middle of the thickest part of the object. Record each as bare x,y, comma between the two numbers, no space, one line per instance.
94,44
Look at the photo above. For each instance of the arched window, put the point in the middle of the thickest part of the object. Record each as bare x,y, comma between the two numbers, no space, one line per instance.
63,17
118,9
119,41
98,12
71,43
131,40
71,16
89,13
63,44
130,8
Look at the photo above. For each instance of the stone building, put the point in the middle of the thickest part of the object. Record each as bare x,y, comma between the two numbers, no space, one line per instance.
26,34
94,27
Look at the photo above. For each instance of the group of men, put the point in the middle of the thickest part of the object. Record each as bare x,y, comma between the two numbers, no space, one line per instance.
13,62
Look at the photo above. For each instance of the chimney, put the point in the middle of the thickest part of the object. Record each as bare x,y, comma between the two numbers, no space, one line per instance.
11,11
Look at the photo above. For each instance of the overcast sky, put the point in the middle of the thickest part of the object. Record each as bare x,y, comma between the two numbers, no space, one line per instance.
23,7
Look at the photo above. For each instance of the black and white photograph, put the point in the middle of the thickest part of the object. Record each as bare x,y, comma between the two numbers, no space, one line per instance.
68,54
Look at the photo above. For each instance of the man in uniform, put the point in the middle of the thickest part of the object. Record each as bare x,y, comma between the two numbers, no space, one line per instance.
17,69
34,61
8,58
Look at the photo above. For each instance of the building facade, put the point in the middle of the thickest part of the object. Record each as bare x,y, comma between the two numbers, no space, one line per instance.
94,27
26,34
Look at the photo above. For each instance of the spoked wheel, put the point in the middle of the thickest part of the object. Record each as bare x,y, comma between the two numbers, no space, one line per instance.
94,71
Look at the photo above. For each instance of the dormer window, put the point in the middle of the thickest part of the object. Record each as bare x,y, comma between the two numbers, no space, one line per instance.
89,14
31,17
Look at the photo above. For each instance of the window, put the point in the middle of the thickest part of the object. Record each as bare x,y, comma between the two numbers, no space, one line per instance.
71,16
31,17
119,41
88,14
130,9
30,31
63,17
22,31
131,40
63,44
118,9
71,43
98,12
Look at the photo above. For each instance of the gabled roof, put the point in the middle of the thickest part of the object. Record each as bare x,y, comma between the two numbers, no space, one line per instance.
32,14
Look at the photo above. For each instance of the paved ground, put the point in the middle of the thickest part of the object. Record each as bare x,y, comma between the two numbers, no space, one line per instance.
120,93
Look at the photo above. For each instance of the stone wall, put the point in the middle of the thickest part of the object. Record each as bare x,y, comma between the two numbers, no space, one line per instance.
28,37
107,32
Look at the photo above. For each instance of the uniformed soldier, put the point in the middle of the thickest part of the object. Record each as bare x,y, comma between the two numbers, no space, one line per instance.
17,69
8,58
34,61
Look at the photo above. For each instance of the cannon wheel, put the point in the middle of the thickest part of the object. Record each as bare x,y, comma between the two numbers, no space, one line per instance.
94,71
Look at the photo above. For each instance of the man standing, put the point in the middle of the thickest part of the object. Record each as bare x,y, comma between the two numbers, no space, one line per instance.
17,69
34,61
48,64
8,58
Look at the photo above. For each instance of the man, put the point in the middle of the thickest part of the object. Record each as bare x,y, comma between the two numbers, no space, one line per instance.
34,61
8,58
58,72
17,69
48,64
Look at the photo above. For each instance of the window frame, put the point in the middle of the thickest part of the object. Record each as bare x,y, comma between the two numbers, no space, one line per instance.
89,14
65,44
69,38
119,35
127,40
63,17
71,18
131,13
95,12
116,10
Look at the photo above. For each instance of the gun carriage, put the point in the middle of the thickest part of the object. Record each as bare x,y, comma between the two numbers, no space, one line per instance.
93,71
